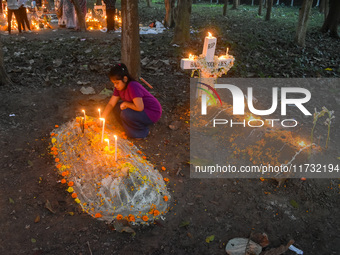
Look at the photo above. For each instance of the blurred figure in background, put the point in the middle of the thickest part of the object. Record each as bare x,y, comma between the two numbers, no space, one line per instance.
13,7
23,15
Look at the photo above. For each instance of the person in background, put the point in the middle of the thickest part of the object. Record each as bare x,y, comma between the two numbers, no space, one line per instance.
23,15
82,5
13,7
138,108
110,14
69,13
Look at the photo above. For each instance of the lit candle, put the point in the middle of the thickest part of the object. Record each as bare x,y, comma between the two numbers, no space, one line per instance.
191,57
116,148
102,119
84,116
99,113
82,125
108,143
227,52
209,47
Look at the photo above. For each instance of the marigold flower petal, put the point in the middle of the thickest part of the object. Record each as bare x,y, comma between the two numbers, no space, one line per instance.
70,184
119,217
98,215
74,195
165,198
163,168
145,218
63,181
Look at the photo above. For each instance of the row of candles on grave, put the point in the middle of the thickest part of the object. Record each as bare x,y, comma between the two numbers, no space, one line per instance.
103,127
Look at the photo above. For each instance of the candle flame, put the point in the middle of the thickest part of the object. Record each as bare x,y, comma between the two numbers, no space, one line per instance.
115,137
209,35
102,119
107,140
302,144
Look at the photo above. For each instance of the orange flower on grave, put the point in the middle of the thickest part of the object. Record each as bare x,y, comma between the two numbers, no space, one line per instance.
165,198
155,212
64,173
70,184
52,134
59,166
74,195
119,217
151,212
131,218
145,218
98,215
55,153
166,179
63,181
139,152
163,168
56,126
144,157
54,148
57,160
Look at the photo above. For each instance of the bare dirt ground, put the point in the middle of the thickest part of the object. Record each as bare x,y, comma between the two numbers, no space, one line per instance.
48,69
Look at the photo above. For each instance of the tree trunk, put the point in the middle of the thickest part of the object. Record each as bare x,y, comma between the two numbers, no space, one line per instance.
269,9
225,7
148,3
4,79
169,20
235,4
333,18
80,15
182,22
130,50
325,8
260,7
301,30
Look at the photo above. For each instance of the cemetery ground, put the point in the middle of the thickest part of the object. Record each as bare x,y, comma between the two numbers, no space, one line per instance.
48,69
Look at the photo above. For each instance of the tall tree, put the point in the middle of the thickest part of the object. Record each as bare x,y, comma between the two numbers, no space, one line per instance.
236,3
269,9
130,50
80,15
260,7
300,36
169,20
148,3
225,7
4,79
182,22
333,18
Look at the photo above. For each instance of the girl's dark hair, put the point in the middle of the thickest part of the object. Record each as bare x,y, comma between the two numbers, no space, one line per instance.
118,72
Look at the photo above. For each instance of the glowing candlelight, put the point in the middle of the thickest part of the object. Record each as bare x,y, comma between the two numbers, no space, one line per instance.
99,113
102,119
191,57
227,52
84,116
302,144
116,148
108,143
209,35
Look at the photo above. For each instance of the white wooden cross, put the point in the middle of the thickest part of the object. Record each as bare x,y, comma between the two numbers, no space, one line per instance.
209,53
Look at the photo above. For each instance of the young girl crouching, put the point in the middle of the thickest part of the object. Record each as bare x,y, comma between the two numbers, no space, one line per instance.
138,109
